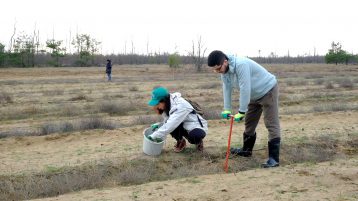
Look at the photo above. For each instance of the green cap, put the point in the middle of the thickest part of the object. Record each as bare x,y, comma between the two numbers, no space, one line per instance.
158,94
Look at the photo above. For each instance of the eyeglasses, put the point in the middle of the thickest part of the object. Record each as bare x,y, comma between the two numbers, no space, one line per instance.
217,69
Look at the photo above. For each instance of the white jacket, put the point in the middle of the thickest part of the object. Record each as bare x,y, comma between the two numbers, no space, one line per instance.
180,112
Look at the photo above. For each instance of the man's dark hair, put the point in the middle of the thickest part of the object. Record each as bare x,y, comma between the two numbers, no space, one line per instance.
216,58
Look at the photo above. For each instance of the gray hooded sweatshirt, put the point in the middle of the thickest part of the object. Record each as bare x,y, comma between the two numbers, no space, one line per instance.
253,81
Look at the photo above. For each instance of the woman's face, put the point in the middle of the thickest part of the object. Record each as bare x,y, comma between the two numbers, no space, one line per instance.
159,109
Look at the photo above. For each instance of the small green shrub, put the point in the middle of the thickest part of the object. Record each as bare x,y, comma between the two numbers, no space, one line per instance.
174,60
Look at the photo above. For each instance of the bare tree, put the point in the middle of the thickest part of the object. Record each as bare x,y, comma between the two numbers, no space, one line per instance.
35,44
125,47
12,38
37,40
197,54
69,43
147,47
132,51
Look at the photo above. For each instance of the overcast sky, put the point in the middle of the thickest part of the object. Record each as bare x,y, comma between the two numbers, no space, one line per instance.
233,26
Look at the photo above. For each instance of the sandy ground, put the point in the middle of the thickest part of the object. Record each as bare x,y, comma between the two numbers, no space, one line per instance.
335,180
33,154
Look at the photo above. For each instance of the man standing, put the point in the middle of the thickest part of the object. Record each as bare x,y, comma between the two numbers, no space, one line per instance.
258,93
109,69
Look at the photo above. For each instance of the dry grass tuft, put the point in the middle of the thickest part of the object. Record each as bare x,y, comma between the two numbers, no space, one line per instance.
329,85
319,149
334,107
55,92
70,110
319,81
79,97
296,82
5,98
12,113
115,108
210,114
210,85
17,132
61,127
346,83
145,119
77,125
95,123
133,88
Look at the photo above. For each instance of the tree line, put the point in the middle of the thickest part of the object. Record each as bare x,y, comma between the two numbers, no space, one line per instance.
26,51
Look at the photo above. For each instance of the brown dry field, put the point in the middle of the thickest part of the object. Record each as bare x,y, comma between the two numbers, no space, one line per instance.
319,123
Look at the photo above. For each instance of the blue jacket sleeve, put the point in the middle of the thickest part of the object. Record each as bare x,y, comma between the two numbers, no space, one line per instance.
244,82
227,91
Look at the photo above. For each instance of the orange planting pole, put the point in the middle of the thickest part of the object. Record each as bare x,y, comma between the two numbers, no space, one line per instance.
226,165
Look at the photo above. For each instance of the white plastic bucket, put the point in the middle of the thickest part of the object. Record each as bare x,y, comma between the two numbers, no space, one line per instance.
149,147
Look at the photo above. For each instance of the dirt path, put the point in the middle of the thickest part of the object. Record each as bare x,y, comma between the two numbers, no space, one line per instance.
27,154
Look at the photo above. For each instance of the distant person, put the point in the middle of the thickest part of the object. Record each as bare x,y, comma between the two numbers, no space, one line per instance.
180,119
109,69
258,93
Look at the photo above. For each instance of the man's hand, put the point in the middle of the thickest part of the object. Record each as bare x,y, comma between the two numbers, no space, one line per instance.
154,139
226,114
239,116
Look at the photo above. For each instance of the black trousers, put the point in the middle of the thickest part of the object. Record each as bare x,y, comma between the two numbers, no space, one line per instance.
194,137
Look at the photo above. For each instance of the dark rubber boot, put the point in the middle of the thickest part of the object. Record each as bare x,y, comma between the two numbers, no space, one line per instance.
274,153
246,150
